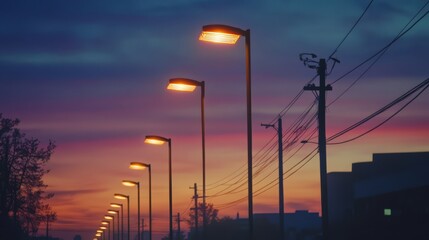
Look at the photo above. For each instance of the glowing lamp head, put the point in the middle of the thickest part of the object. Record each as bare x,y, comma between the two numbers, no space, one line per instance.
156,140
105,222
183,84
218,33
108,217
98,235
181,87
129,183
120,196
138,166
112,212
116,205
99,231
219,37
103,227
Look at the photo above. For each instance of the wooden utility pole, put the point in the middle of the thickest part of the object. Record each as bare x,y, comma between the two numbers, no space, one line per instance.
321,70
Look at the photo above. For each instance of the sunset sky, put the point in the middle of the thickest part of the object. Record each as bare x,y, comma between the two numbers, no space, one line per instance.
92,76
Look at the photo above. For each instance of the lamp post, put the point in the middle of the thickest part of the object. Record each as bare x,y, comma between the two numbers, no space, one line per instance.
108,228
189,85
122,196
142,166
224,34
109,217
116,212
103,233
158,140
129,183
118,205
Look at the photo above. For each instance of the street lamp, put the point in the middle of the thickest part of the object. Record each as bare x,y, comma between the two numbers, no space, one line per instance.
109,217
224,34
158,140
142,166
129,183
189,85
108,228
122,197
118,205
116,212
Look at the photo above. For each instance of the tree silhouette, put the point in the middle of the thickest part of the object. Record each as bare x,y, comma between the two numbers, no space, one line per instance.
212,215
22,162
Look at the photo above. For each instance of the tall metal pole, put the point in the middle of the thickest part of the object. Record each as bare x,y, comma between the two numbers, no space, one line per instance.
128,205
170,189
122,222
150,202
249,133
321,70
204,156
118,225
138,210
113,227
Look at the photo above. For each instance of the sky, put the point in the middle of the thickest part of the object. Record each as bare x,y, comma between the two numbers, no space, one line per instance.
92,76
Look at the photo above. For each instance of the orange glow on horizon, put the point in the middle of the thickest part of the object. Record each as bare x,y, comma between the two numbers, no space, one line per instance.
219,37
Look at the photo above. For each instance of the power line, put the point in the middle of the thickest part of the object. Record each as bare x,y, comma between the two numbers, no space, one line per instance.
423,85
351,29
378,57
382,49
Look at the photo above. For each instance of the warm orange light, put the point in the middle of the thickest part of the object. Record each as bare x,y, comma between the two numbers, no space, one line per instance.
108,217
219,37
117,205
138,166
103,227
99,231
112,212
104,222
120,196
181,87
156,140
98,235
129,183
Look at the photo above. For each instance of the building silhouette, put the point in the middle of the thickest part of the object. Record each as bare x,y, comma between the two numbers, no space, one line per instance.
387,198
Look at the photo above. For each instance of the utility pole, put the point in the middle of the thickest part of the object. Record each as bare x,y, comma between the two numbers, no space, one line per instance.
178,226
321,71
281,189
195,208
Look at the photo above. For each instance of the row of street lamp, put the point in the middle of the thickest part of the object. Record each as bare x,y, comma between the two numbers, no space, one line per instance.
217,34
129,183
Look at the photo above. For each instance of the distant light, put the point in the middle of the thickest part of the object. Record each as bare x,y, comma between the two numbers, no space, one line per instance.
157,140
387,212
99,231
120,196
112,211
105,223
117,205
102,227
138,165
108,217
129,183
